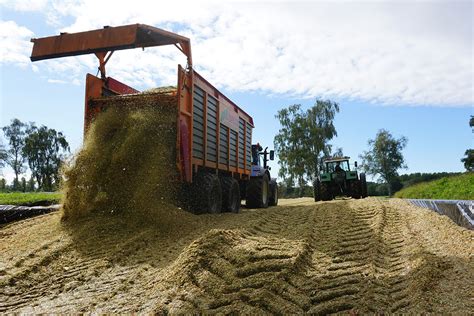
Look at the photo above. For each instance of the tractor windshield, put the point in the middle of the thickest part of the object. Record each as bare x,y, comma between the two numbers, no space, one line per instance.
256,156
257,160
334,166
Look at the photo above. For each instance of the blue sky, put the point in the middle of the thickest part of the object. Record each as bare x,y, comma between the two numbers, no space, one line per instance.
406,68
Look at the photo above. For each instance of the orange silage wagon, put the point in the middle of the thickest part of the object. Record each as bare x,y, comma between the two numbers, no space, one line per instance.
214,152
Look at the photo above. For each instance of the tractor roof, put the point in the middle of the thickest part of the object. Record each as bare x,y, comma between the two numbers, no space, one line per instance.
336,159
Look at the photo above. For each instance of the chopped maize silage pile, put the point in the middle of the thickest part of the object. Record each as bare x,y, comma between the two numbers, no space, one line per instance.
368,256
127,164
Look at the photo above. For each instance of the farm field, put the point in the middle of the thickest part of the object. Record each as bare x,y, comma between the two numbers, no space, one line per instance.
361,256
29,198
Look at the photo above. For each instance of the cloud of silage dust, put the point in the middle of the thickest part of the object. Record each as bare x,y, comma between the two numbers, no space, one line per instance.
127,165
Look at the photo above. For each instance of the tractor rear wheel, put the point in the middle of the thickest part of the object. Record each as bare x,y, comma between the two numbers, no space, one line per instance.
363,184
325,192
230,195
317,190
273,201
258,192
207,193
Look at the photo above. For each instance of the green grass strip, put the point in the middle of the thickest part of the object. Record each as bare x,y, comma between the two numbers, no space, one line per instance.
450,188
20,198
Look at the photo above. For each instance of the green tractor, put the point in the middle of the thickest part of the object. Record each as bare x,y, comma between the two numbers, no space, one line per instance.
337,179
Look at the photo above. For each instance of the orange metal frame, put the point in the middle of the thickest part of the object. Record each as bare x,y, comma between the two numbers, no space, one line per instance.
103,43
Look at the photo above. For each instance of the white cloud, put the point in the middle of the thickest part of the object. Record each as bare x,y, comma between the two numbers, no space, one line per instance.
15,43
24,5
389,52
57,81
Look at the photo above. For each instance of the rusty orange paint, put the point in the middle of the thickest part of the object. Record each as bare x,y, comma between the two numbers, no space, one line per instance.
107,39
94,87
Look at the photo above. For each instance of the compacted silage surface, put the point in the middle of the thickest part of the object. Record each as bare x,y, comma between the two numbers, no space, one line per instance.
346,256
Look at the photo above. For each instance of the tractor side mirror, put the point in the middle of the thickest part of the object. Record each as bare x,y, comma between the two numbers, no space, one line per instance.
272,154
355,164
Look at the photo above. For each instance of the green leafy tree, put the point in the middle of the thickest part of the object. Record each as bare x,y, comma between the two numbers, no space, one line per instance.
15,134
468,161
377,189
3,184
3,154
31,184
338,152
384,158
303,140
23,184
45,150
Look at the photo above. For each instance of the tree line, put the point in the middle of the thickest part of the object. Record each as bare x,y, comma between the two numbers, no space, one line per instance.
303,142
39,149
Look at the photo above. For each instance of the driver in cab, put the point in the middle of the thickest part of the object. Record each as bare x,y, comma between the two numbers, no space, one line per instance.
338,167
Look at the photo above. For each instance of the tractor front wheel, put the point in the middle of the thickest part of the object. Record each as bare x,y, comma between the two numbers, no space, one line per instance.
325,192
363,184
317,190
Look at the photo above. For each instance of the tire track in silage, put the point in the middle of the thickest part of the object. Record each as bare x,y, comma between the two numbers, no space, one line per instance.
336,279
21,286
282,226
58,270
274,221
252,268
388,290
377,265
396,246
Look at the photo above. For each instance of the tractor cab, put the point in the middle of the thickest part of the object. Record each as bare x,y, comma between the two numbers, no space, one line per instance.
339,164
338,170
261,157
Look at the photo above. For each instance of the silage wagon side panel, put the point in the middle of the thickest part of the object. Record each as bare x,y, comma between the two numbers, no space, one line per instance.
222,132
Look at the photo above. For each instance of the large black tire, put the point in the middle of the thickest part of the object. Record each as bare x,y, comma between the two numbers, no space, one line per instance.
355,189
207,194
363,184
325,192
317,190
258,190
230,195
273,201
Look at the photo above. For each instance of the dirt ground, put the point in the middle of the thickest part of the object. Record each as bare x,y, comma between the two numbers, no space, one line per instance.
348,256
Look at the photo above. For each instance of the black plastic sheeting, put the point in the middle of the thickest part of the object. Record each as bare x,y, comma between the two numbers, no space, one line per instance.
10,213
459,211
